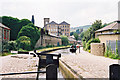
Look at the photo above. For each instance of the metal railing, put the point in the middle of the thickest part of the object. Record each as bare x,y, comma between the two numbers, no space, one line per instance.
49,63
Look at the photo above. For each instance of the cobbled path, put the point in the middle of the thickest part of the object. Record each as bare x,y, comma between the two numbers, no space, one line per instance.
88,65
10,64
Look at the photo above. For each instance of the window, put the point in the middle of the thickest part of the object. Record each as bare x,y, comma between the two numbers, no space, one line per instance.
67,29
65,33
62,29
4,34
8,35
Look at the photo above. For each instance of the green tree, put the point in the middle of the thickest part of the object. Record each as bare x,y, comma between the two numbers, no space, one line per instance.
30,31
24,43
95,26
76,36
64,40
71,33
14,24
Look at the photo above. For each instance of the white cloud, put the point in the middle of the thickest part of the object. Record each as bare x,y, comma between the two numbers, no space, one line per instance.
75,12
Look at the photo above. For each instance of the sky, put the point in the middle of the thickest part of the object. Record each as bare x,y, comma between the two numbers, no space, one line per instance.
75,12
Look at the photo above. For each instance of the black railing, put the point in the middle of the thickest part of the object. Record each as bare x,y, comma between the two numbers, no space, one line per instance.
49,63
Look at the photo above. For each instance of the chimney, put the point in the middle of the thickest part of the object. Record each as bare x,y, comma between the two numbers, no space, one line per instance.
33,21
46,21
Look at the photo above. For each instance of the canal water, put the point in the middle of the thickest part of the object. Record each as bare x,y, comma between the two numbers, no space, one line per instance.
62,52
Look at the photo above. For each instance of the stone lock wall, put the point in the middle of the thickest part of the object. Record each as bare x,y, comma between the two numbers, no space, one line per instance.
98,49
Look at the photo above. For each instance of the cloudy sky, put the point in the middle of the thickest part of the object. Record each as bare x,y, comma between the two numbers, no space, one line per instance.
75,12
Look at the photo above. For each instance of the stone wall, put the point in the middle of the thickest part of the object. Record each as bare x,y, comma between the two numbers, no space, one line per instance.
104,38
48,40
98,49
0,39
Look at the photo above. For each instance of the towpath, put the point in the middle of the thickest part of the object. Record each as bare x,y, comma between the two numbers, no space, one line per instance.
88,65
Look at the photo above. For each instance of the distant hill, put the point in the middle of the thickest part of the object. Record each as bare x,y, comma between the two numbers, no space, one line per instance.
80,27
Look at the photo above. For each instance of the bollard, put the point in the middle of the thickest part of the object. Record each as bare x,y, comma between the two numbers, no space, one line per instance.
79,49
114,72
51,72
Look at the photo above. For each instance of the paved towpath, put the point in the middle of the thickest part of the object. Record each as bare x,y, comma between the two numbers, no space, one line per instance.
20,63
88,65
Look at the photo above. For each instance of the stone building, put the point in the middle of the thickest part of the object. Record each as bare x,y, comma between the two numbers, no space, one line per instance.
108,32
48,40
4,35
110,36
57,29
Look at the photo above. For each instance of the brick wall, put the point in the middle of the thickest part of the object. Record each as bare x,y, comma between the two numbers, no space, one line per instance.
98,49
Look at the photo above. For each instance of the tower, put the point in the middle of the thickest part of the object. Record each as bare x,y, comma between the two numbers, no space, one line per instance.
33,21
46,21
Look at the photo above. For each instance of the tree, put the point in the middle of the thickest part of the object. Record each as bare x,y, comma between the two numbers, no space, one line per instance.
76,36
71,33
64,40
24,42
14,24
95,26
30,31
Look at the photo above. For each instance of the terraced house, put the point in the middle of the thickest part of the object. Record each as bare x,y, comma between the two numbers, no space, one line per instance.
57,29
4,35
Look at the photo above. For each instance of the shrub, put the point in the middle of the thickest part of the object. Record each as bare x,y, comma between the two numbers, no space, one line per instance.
24,43
111,54
89,51
64,40
48,46
96,40
10,45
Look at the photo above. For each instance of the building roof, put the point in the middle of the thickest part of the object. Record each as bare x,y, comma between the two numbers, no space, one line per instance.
64,23
3,26
71,39
52,23
52,35
114,26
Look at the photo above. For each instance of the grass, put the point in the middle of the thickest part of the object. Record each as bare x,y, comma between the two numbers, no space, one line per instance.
6,54
45,49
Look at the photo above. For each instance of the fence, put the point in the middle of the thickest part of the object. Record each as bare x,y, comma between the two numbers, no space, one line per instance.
49,63
113,45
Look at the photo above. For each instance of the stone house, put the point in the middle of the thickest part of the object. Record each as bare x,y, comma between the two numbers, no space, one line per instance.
57,29
48,40
4,35
109,35
72,40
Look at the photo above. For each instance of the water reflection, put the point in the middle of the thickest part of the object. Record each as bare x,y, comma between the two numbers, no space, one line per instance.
64,52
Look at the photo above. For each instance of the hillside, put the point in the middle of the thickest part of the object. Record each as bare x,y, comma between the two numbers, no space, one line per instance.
80,27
